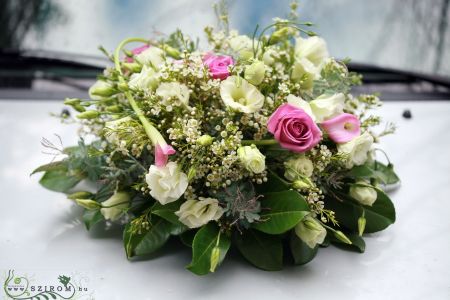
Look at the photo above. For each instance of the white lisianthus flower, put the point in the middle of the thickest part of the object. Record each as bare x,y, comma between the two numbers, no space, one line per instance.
241,95
173,93
153,56
111,128
144,80
101,89
252,159
312,48
255,72
300,103
167,184
295,168
357,149
310,231
305,72
327,106
269,56
115,205
366,195
196,213
242,45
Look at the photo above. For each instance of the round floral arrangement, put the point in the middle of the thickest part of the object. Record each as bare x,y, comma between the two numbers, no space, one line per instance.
255,143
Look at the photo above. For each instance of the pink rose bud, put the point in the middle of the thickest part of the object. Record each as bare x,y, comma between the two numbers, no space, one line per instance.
343,128
218,65
136,51
294,129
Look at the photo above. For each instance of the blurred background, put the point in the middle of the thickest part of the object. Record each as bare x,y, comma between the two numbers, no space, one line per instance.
407,35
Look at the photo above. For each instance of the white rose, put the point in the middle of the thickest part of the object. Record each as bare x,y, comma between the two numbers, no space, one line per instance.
297,167
241,95
144,80
300,103
242,45
115,206
167,184
326,106
310,231
305,72
173,93
252,159
194,214
152,56
312,48
366,195
357,149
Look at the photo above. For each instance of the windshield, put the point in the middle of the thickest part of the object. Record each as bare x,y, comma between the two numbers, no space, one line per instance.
410,35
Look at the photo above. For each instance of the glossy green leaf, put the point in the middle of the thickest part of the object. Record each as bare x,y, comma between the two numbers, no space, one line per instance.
167,211
58,180
56,165
148,241
376,170
262,250
274,184
281,211
204,242
378,216
358,243
301,252
187,237
92,217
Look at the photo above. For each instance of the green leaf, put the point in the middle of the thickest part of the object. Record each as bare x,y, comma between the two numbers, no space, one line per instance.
301,252
375,170
167,211
187,237
262,250
274,184
56,165
386,173
149,241
204,242
358,243
58,180
378,216
281,211
92,217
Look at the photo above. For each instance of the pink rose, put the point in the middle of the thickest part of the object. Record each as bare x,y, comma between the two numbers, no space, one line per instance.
343,128
294,129
136,51
218,65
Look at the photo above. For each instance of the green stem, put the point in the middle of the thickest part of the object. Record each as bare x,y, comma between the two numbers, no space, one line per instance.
150,130
259,142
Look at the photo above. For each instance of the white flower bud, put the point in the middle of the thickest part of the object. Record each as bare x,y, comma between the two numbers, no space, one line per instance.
366,195
252,159
153,56
297,168
255,72
310,231
115,205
